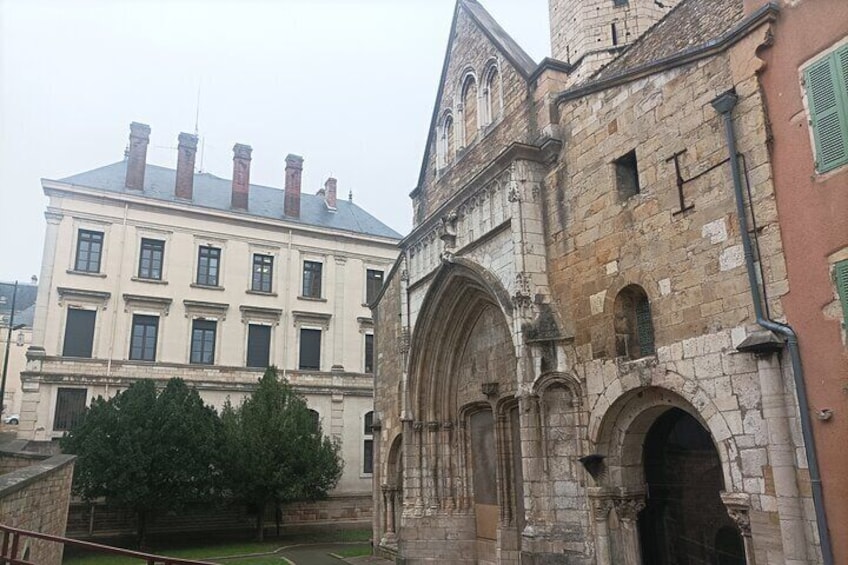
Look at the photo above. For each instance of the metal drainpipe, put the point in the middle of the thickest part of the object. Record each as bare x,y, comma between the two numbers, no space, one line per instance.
724,105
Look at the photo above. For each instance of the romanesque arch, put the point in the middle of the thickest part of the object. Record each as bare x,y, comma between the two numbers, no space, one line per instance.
651,448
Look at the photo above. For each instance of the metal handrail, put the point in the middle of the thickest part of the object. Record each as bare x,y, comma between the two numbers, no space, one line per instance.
11,545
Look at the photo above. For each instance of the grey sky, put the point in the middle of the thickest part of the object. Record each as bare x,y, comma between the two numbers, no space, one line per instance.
348,84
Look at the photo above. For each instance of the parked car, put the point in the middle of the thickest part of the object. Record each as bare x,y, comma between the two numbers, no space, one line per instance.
13,419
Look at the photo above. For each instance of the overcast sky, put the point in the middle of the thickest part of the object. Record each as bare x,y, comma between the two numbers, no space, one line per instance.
347,84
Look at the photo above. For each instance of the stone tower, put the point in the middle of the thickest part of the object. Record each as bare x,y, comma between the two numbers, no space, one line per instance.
589,33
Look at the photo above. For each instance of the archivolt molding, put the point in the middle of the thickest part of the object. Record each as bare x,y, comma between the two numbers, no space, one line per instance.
617,434
545,381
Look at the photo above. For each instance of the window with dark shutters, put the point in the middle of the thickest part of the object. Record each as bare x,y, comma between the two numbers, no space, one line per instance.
79,333
841,276
368,444
826,82
644,327
70,406
310,349
258,345
373,284
632,323
369,353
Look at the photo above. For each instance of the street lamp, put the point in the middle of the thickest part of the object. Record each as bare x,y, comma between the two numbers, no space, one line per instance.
12,328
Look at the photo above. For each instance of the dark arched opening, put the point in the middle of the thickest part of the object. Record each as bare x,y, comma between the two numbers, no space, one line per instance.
685,521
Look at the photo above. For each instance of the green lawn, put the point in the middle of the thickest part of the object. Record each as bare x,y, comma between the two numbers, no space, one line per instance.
211,552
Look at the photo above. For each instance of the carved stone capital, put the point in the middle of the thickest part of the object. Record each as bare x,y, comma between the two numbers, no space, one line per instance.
628,508
738,506
601,508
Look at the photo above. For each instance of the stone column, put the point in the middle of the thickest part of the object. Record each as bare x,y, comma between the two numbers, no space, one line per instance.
627,508
389,497
601,504
738,506
781,455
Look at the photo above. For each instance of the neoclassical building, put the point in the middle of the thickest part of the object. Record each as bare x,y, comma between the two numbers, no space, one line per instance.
582,351
153,273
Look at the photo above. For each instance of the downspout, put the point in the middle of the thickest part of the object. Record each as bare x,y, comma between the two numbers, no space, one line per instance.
115,308
724,105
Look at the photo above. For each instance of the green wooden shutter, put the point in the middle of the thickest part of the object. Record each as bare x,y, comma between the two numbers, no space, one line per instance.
644,327
827,90
841,275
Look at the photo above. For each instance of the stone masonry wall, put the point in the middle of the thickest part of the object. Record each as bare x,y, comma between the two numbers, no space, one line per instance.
690,264
688,259
36,498
471,49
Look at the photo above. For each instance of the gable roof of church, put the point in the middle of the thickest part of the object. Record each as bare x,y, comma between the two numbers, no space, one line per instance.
499,38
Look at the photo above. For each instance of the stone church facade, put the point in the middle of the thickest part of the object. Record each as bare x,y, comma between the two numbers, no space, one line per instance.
570,367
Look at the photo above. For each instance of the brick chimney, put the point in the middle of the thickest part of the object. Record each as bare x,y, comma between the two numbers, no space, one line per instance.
137,155
241,175
294,169
186,151
330,193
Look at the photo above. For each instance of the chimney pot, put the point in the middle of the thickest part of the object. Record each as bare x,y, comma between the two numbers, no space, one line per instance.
241,175
186,152
137,155
330,193
294,170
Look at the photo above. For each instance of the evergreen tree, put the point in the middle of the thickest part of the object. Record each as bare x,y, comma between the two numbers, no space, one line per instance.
146,452
274,451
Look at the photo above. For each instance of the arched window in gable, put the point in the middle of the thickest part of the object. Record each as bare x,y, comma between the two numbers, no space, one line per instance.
492,95
469,109
634,327
447,141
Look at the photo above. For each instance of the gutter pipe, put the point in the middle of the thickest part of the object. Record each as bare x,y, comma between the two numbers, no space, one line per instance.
724,105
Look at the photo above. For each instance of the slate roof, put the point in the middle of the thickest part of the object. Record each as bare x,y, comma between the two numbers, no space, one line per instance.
216,193
24,303
688,26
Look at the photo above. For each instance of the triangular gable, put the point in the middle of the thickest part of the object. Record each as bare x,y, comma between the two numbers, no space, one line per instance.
502,41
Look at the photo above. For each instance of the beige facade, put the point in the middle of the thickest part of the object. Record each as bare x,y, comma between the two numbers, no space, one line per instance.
572,366
18,340
140,283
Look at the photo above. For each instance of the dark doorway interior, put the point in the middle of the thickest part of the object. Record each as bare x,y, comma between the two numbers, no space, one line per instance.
685,522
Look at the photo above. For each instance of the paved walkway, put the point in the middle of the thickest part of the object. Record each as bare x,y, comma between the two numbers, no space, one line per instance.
321,555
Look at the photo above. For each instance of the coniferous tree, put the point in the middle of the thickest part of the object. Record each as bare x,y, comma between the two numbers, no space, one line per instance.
147,452
273,450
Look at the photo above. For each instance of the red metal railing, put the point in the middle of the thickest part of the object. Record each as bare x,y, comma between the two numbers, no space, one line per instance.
12,545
